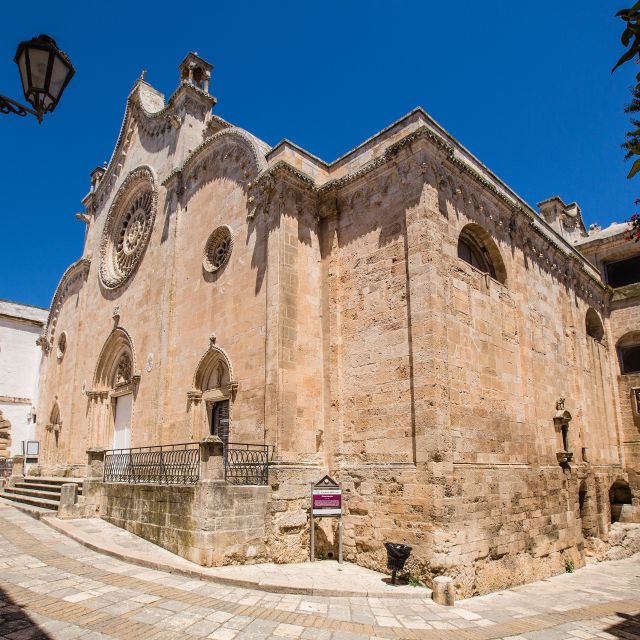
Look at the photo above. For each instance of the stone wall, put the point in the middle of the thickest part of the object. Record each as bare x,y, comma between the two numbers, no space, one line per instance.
211,523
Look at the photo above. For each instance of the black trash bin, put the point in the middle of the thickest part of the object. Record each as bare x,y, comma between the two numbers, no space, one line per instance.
397,555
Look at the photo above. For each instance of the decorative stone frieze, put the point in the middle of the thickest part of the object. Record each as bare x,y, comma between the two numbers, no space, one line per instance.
70,283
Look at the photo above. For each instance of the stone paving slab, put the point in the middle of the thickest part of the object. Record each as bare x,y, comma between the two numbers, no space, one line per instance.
321,578
53,588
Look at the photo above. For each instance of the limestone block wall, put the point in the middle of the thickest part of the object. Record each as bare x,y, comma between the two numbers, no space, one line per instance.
229,304
211,523
623,318
444,385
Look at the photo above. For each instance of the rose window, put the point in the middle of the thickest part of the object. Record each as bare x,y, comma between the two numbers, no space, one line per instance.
218,249
127,229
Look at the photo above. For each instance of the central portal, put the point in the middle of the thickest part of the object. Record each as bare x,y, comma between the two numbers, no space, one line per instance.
122,422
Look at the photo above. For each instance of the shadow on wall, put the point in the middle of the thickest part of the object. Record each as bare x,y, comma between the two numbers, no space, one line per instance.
629,628
14,621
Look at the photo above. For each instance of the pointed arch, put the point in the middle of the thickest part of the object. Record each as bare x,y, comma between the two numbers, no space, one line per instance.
55,421
116,364
210,401
54,416
214,370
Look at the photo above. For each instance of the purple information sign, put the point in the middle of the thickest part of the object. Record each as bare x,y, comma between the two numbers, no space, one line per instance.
327,499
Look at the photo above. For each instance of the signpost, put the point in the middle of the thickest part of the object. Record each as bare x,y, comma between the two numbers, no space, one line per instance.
326,501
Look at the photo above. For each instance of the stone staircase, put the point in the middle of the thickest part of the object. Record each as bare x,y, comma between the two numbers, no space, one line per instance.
37,496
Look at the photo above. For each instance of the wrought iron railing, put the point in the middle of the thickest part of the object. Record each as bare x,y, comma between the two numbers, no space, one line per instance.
6,467
246,463
166,464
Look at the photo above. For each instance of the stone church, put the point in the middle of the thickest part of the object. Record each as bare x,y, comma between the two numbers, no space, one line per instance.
467,368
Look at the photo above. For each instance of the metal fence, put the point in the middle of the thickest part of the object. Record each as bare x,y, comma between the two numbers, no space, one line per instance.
246,463
167,464
6,467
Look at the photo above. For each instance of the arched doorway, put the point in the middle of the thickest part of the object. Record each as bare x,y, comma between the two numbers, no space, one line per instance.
211,398
619,495
112,397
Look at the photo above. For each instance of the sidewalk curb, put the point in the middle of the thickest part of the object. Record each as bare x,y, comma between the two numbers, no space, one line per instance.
197,573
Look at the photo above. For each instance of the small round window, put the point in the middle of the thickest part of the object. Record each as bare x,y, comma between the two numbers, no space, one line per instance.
62,345
218,249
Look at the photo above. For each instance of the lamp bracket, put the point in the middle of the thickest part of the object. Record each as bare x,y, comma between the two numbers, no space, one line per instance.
11,106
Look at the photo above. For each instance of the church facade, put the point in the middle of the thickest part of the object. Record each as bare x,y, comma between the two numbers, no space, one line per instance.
398,319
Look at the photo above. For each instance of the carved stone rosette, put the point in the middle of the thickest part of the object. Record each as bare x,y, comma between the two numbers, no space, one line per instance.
217,250
128,228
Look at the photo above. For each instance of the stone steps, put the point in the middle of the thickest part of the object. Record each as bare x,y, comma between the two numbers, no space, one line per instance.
37,495
33,511
31,492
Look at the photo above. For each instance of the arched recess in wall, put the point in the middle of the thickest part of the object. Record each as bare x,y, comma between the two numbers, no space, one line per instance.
479,249
211,397
593,325
628,348
111,400
619,495
587,511
55,421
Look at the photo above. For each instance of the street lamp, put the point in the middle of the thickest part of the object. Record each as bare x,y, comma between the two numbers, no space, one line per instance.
45,71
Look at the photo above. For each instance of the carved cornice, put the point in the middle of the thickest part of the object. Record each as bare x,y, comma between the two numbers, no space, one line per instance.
74,274
514,204
389,154
151,123
208,144
283,168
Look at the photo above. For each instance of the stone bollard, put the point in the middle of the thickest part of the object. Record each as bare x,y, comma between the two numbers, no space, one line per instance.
92,485
68,499
17,470
211,459
443,591
95,463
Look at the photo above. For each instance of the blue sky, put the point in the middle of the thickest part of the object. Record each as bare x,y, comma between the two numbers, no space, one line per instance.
525,86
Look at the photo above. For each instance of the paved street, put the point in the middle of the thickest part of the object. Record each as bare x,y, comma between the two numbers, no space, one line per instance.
53,587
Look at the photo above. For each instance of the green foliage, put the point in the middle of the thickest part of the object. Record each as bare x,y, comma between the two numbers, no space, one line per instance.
412,581
632,143
634,224
568,565
630,37
322,556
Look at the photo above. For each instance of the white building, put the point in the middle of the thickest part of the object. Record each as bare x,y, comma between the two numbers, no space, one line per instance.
20,327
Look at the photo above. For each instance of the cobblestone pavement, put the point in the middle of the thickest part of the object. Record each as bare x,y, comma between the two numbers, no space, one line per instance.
53,587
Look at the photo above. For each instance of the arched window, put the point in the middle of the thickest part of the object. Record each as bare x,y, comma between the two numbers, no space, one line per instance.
594,325
629,352
213,384
478,248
